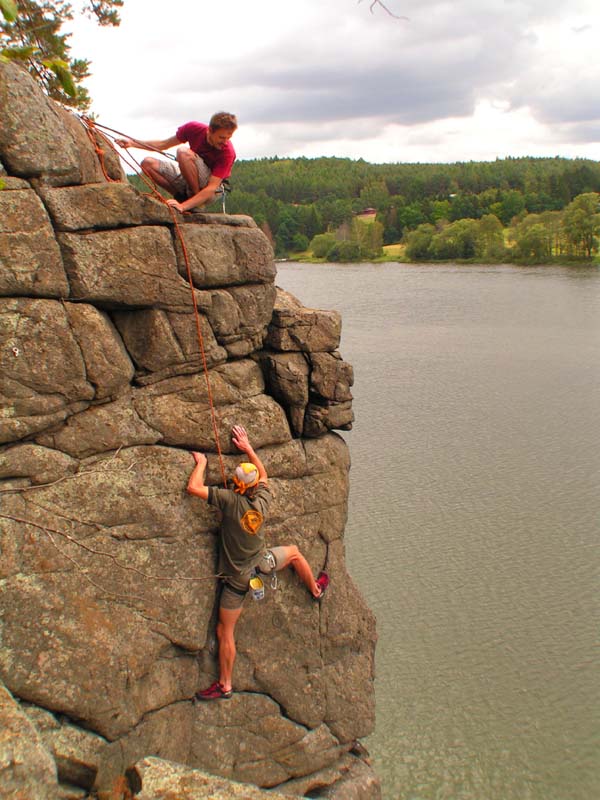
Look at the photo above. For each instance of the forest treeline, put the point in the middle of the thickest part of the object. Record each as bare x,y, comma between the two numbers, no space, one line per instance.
439,211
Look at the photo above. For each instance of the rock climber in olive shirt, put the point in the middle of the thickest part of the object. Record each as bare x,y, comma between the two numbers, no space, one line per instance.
200,168
242,550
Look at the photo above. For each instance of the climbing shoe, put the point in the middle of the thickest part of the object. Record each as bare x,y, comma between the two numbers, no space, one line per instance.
323,582
214,692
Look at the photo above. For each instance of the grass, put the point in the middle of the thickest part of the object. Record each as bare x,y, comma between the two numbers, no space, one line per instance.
391,252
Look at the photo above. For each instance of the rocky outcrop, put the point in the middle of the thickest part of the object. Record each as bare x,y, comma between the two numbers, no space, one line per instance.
107,575
26,768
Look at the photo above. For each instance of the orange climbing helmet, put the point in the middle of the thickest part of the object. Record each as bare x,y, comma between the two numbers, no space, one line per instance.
245,476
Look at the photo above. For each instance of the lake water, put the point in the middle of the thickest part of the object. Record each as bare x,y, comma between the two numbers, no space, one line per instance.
474,520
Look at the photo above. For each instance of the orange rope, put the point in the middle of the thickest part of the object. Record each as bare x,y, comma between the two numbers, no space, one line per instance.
92,133
92,126
200,338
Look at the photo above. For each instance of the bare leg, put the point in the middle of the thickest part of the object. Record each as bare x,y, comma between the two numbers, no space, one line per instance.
186,159
225,628
295,559
150,168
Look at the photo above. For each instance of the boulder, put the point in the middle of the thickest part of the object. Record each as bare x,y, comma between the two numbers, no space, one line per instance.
56,359
97,158
155,779
77,752
166,342
33,137
221,256
351,778
294,327
287,376
101,206
29,254
27,770
134,268
331,377
43,374
109,567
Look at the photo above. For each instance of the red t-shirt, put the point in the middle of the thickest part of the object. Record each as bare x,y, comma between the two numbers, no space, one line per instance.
218,161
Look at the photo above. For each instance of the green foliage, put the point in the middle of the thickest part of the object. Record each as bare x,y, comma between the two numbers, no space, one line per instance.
489,245
31,34
581,222
511,205
63,74
573,232
300,243
455,241
322,244
411,216
369,238
417,202
344,251
463,239
358,241
440,209
375,194
532,241
418,242
464,206
9,10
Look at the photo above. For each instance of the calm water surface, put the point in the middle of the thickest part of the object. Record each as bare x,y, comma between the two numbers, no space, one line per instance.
474,520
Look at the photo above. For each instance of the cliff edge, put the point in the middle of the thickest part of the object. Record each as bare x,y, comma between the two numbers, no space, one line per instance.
107,569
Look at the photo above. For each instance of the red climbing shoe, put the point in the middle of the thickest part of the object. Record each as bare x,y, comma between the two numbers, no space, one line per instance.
323,582
214,692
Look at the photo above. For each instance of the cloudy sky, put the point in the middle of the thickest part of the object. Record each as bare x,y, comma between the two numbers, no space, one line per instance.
455,81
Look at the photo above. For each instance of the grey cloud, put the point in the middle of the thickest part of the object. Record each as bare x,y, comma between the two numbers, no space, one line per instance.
581,133
347,67
392,77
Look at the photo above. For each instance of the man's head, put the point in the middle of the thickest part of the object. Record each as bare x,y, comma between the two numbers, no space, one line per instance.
221,128
245,477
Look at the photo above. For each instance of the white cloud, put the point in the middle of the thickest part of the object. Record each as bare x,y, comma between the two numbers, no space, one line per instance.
459,81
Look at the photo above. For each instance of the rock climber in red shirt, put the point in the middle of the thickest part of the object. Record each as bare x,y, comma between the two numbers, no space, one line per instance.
201,165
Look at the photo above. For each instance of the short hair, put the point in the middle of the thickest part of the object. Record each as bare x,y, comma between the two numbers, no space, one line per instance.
223,119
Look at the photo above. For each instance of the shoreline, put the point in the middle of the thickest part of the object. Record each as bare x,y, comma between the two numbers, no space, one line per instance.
461,262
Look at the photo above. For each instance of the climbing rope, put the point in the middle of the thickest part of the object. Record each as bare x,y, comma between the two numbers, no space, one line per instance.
91,128
93,135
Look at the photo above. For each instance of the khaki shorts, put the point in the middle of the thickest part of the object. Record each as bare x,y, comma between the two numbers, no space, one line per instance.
236,587
170,170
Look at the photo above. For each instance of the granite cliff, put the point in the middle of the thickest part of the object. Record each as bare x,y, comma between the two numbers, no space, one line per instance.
107,586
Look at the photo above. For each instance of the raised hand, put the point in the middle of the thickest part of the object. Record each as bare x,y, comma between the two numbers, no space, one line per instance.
239,437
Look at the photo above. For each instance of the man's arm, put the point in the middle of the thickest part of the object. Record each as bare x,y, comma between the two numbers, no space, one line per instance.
151,144
202,197
196,483
240,439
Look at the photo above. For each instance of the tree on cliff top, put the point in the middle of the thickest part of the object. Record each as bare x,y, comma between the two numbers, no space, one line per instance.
31,34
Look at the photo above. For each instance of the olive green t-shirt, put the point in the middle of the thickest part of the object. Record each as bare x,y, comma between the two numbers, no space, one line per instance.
242,537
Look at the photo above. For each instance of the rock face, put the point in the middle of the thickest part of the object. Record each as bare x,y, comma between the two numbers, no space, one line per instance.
26,768
107,569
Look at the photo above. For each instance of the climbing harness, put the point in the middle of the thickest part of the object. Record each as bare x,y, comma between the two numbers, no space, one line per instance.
91,127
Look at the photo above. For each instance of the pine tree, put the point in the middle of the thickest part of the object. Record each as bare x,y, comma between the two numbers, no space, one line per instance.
31,34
